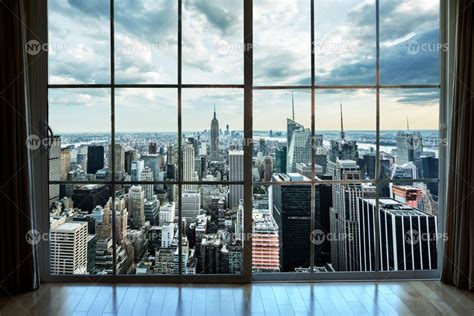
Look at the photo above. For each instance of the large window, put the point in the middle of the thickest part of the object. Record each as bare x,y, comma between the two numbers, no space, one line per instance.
161,156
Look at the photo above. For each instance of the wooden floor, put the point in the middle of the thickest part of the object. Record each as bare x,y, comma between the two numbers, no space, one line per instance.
361,298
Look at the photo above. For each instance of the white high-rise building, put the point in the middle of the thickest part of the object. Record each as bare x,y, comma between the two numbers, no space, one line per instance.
136,207
68,247
236,173
167,235
167,213
147,175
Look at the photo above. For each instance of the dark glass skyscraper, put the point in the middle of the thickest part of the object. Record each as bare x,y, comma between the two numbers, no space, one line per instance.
88,196
280,160
430,170
95,158
291,207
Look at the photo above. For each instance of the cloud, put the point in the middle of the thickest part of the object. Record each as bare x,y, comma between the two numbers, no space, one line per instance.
415,97
222,17
146,45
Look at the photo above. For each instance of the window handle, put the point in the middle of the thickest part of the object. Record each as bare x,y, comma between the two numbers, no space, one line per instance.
47,136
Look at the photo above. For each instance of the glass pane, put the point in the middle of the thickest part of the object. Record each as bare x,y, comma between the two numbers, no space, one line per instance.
408,231
80,229
80,118
345,42
345,130
281,117
281,231
212,134
146,135
282,42
213,42
409,150
409,42
213,243
79,41
347,232
409,135
146,41
147,229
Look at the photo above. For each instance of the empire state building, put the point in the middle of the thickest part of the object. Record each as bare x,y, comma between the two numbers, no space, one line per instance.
214,137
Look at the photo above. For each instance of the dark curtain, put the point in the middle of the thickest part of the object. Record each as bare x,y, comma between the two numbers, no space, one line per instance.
458,262
18,259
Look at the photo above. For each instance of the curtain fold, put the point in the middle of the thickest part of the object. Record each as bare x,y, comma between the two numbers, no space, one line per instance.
458,260
18,256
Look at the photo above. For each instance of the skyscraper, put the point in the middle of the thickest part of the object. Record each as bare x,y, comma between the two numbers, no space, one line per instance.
214,137
129,157
167,213
68,247
95,158
430,170
147,175
152,148
344,218
188,166
291,209
190,205
119,160
409,147
342,148
265,243
236,173
407,236
86,197
54,168
291,127
152,161
267,168
136,207
299,150
280,160
65,162
137,168
151,207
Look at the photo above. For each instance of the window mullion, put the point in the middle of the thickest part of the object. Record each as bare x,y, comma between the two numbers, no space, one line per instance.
377,138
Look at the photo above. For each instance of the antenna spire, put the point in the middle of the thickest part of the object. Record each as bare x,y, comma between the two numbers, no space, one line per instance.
293,106
342,122
214,110
408,125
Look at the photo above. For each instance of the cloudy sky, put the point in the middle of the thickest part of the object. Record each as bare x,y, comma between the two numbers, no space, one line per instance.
146,52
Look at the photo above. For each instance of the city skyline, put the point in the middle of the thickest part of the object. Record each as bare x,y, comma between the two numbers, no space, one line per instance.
133,119
148,228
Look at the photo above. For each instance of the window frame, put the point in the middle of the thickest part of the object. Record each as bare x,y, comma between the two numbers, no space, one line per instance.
248,87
